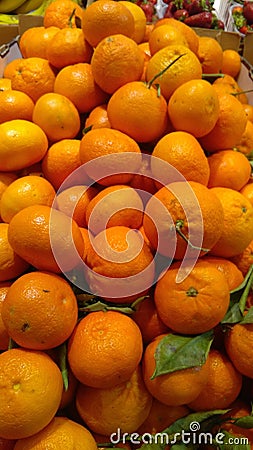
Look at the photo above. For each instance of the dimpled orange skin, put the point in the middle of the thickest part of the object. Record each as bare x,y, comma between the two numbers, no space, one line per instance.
237,229
11,264
104,18
145,109
125,406
113,349
30,392
176,388
40,310
195,305
223,386
33,76
238,344
61,433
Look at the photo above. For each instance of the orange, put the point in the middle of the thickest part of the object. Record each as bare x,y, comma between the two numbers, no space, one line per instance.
61,432
59,12
231,62
230,86
247,191
34,76
148,319
195,305
125,262
249,111
238,223
106,142
229,127
85,94
175,388
245,259
227,87
61,159
11,264
15,105
230,169
4,337
25,191
57,116
116,60
22,143
5,84
184,69
114,206
162,416
233,275
68,47
245,145
113,349
36,233
146,111
178,203
104,18
139,20
24,372
165,35
238,344
194,107
74,201
6,178
190,34
124,406
35,41
210,55
98,117
223,385
183,152
40,311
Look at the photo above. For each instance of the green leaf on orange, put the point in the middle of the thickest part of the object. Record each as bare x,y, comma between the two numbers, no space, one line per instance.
238,298
177,352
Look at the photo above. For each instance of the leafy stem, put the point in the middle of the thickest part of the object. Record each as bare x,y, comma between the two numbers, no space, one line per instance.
149,84
179,225
91,304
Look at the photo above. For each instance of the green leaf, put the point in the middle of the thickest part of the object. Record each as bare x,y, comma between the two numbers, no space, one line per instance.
180,447
62,349
248,318
233,315
153,446
175,352
238,298
230,442
244,422
185,423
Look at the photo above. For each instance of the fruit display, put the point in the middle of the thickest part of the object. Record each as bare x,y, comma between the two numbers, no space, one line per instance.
126,236
195,13
242,16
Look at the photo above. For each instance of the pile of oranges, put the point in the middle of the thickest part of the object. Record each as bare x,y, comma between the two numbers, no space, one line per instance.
126,233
